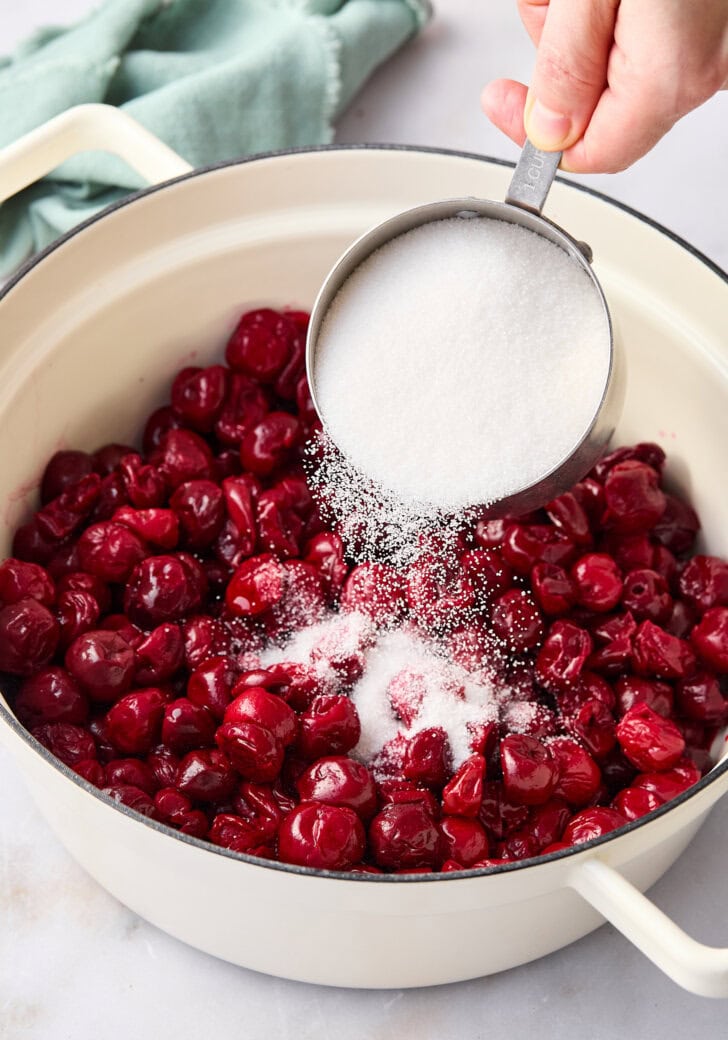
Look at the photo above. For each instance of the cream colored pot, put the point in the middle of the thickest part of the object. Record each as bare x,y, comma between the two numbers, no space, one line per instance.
91,332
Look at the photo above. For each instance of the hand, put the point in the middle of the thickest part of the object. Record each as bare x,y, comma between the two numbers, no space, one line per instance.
611,76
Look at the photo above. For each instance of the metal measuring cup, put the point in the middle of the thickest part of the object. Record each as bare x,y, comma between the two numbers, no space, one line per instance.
527,192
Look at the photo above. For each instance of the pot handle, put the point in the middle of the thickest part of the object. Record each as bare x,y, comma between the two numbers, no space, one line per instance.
698,968
80,129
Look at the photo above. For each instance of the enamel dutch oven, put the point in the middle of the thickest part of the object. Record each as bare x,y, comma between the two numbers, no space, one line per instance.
91,332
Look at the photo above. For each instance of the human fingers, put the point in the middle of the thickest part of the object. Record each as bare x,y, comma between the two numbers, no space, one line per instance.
533,16
571,71
503,102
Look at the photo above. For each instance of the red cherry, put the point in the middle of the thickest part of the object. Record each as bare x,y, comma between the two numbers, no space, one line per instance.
339,780
650,742
405,836
326,837
530,773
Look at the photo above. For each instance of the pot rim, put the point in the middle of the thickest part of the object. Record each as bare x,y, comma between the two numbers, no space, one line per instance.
7,717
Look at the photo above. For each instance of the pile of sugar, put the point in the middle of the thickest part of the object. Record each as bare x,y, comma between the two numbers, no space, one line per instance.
460,362
454,699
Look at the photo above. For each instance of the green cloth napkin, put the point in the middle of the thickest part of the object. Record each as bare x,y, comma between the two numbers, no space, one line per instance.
214,79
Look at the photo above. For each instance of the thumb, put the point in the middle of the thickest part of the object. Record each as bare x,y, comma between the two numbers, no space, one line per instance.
571,71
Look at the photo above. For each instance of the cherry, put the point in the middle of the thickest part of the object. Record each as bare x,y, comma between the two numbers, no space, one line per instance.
657,653
164,588
677,527
525,545
589,493
499,813
240,494
133,722
547,823
589,687
255,704
631,690
71,744
280,528
131,771
629,551
28,637
170,803
651,454
669,783
32,545
427,757
269,443
633,497
110,551
635,802
158,527
514,847
20,579
464,840
438,592
298,684
256,586
164,764
649,741
588,824
616,636
80,581
405,836
327,837
517,621
594,725
325,553
330,726
646,596
700,698
159,422
51,695
63,470
569,517
339,780
205,776
710,639
91,771
187,726
597,582
253,750
145,485
261,344
77,612
488,572
198,395
563,656
133,798
553,589
530,773
244,406
489,534
210,684
261,807
159,655
181,455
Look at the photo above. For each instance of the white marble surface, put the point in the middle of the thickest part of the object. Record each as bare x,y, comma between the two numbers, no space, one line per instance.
74,963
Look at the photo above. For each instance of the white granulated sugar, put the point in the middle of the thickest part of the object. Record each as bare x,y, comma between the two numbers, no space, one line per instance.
453,699
462,361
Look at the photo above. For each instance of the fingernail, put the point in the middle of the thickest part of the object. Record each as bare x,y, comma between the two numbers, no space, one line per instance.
546,129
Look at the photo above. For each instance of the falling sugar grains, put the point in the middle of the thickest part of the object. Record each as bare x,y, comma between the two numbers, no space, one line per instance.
462,361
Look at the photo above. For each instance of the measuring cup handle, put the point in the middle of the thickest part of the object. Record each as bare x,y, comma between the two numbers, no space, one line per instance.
532,178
